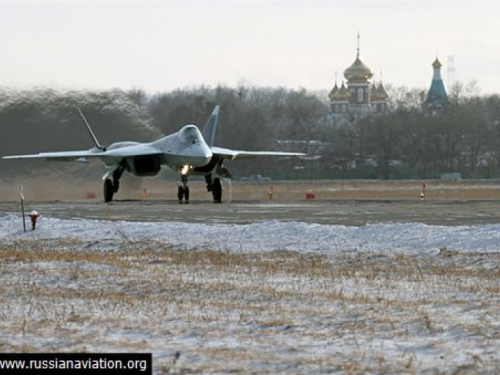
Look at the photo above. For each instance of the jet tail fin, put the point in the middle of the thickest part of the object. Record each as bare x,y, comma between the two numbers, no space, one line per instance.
210,127
102,148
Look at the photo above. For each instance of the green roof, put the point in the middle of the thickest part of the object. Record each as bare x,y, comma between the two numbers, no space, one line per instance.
437,96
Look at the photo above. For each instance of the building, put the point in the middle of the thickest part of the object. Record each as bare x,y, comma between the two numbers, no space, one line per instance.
436,96
357,97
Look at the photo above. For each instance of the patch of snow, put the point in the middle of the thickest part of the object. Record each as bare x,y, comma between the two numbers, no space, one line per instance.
423,321
412,238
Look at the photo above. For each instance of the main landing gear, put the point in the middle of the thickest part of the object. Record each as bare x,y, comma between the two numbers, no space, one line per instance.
215,187
112,184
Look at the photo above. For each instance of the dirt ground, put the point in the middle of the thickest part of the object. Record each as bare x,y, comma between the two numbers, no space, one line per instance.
351,202
156,188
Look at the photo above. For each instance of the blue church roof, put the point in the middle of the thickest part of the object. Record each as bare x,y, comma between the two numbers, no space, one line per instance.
437,96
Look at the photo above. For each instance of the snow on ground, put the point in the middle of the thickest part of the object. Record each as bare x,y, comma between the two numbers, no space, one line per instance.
266,297
411,238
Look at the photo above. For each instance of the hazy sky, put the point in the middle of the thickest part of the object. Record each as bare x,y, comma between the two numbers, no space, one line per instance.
163,45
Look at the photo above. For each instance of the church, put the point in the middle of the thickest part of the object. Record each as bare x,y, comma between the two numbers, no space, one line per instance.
359,97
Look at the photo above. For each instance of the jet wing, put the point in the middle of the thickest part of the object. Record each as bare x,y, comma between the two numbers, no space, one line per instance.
233,154
118,153
59,156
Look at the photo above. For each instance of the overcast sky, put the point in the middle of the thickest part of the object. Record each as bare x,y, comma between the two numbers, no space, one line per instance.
164,45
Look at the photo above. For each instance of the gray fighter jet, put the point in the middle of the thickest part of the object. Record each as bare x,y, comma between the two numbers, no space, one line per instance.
188,152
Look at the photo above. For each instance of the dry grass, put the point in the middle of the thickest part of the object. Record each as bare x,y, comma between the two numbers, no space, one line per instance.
213,311
156,188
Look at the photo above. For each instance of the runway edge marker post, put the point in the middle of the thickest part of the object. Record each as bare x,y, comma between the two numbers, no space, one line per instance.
21,195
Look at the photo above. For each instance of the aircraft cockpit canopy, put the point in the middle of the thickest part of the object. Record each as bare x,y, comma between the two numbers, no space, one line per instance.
190,134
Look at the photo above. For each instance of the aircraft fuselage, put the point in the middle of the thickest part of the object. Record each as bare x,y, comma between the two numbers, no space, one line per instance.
184,149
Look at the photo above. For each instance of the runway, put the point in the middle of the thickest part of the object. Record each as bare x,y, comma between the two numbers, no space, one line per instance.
339,212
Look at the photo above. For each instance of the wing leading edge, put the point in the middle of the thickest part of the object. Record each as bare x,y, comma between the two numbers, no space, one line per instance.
123,152
59,156
233,154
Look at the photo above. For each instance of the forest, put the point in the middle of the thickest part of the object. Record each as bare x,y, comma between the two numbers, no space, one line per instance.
408,141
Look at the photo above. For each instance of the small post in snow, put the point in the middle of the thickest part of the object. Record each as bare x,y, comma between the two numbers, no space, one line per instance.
21,195
34,218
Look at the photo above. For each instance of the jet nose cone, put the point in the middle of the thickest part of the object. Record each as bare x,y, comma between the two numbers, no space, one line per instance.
206,154
198,154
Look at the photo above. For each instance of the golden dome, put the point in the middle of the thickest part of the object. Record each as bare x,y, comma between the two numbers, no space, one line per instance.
380,93
334,91
358,72
342,94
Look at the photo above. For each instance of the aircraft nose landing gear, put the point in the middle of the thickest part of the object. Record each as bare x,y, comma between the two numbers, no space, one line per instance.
183,191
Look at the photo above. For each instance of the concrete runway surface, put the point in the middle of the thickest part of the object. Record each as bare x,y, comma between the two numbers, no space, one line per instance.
341,212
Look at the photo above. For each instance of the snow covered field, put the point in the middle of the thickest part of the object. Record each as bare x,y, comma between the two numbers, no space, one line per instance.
267,297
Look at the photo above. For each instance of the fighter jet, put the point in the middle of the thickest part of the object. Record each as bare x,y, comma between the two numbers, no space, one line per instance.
189,152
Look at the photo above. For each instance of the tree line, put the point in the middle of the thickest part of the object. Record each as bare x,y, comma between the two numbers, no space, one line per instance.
412,141
408,141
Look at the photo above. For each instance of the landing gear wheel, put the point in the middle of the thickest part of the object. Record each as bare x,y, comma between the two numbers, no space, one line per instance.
209,182
117,174
217,190
183,192
109,190
180,193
